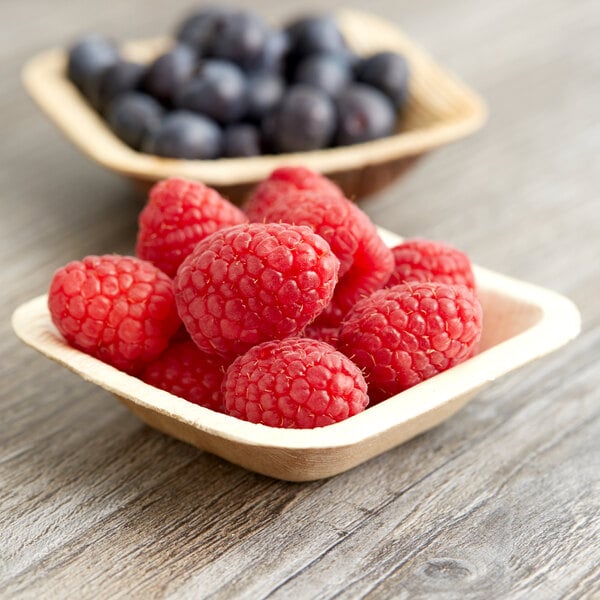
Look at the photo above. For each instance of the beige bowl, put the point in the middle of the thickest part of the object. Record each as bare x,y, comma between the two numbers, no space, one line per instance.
522,322
440,110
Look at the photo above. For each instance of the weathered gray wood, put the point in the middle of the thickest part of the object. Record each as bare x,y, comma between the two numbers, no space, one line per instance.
500,501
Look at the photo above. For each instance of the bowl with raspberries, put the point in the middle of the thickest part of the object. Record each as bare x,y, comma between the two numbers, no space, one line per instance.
227,98
289,335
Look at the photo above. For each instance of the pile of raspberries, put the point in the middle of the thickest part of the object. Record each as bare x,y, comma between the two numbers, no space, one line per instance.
291,312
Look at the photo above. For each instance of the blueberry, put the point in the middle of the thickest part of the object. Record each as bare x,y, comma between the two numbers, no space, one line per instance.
133,116
351,58
183,134
264,91
241,139
364,114
241,39
200,28
120,77
314,35
169,72
218,91
268,134
305,120
328,72
388,72
272,57
88,58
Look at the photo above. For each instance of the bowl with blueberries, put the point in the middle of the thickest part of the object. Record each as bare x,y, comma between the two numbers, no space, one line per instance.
227,98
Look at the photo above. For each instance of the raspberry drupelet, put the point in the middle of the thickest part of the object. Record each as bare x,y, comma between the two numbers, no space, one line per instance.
251,283
405,334
119,309
179,213
294,383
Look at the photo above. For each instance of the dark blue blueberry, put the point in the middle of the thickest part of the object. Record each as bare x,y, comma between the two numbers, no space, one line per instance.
218,91
88,58
120,77
241,39
314,35
305,120
263,93
200,28
169,73
388,72
364,114
328,72
241,139
272,57
183,134
133,116
352,59
268,134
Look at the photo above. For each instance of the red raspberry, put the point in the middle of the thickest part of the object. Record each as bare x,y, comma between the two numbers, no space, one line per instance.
403,335
185,371
365,261
119,309
331,216
179,214
292,179
426,260
371,269
323,333
251,283
294,383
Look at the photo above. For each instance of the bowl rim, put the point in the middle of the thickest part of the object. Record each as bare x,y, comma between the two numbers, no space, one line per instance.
557,322
44,79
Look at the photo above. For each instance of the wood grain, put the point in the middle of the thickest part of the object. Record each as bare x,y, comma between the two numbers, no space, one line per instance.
501,501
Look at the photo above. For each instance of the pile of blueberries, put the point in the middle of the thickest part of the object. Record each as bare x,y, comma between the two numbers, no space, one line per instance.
231,86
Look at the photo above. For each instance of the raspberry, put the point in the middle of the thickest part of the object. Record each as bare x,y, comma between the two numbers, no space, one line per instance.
293,179
251,283
323,333
294,383
331,216
182,369
426,260
119,309
180,213
405,334
299,196
373,263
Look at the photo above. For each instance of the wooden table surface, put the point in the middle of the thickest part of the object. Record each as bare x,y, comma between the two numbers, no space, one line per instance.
501,501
